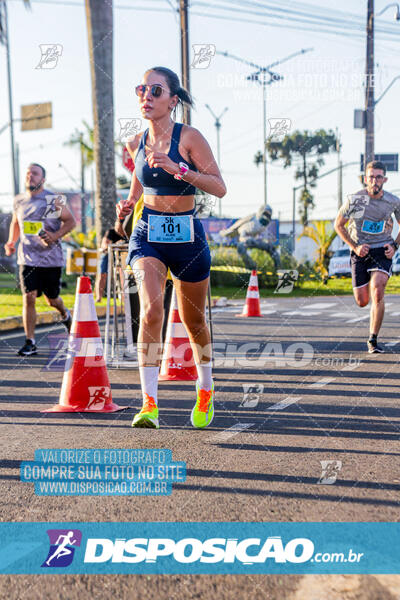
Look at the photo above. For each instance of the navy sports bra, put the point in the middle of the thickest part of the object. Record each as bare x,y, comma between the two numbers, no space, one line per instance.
156,181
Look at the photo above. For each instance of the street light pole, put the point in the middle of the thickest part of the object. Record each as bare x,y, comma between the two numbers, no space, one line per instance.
261,77
10,107
340,167
264,84
218,127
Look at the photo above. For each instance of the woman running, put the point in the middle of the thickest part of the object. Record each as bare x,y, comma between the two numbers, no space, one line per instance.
171,161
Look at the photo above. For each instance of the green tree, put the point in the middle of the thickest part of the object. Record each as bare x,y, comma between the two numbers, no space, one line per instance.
323,234
305,149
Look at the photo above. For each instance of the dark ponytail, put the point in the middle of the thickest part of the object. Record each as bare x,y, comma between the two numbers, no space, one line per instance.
174,85
184,96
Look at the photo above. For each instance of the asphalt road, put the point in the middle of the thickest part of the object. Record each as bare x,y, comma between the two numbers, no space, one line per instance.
311,394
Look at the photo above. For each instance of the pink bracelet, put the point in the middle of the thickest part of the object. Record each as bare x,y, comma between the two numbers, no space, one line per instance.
183,170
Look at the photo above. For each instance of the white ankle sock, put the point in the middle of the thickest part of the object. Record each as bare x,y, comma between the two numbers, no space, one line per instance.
205,376
149,381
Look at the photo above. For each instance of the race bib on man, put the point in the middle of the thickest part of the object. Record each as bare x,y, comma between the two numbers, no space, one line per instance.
172,229
373,227
32,227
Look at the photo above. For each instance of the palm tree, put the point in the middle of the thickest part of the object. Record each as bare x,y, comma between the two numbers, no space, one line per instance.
84,141
99,18
323,234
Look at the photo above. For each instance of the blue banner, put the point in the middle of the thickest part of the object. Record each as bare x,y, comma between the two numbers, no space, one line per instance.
102,472
212,548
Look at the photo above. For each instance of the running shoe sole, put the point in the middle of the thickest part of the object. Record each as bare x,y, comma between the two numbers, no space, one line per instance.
20,353
203,426
145,423
374,349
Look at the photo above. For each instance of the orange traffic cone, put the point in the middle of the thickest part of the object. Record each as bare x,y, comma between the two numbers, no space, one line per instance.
177,362
252,304
85,386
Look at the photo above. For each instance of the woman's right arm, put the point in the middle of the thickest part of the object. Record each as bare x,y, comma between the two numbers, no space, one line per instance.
125,207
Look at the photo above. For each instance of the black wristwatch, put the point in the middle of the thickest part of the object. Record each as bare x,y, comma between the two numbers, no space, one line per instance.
395,244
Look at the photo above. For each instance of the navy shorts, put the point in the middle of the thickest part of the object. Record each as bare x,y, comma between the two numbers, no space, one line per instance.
188,261
362,266
40,279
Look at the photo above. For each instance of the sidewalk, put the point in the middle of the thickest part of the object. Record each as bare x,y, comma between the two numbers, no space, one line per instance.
43,318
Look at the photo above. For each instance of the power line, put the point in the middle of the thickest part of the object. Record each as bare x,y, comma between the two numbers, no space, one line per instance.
307,18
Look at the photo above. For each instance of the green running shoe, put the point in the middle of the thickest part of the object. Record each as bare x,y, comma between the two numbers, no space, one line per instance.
203,411
148,417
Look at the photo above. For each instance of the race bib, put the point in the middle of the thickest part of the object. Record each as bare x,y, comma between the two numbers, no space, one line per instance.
373,227
32,227
173,229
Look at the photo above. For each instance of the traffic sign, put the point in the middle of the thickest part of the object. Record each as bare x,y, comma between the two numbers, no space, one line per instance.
391,161
36,116
127,160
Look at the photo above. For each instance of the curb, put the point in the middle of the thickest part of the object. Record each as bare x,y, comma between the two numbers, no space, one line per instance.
44,318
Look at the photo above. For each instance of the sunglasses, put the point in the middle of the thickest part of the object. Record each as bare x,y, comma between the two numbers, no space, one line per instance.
156,90
376,177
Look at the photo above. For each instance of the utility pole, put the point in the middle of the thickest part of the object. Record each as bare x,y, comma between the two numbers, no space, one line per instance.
218,127
10,107
17,165
83,203
184,24
369,88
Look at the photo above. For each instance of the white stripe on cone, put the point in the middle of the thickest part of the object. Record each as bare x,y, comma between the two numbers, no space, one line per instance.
253,280
178,330
85,347
86,310
252,294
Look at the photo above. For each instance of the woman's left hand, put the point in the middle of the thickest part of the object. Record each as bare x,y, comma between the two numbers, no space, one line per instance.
159,159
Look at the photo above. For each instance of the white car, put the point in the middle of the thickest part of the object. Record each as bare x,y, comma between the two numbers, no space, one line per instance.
339,264
396,263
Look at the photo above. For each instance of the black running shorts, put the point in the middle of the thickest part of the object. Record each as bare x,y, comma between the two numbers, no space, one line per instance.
362,266
41,279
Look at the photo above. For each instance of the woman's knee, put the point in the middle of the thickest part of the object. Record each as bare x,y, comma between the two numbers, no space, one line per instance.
195,324
152,314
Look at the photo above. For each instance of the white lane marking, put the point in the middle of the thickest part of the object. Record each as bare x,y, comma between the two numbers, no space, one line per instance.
358,319
321,305
351,366
321,382
303,313
394,343
284,403
394,314
230,432
38,332
340,315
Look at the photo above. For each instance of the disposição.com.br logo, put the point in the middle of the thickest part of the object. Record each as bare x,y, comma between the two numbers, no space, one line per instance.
62,547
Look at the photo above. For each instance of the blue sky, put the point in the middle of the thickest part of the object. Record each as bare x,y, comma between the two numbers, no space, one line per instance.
319,90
